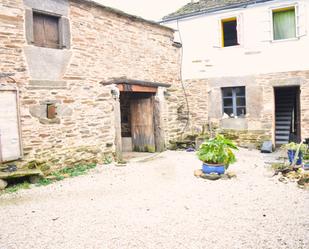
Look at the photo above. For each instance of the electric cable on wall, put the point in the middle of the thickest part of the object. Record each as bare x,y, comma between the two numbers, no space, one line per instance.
181,81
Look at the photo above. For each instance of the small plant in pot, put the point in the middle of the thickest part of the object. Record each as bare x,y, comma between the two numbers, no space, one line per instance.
217,154
293,149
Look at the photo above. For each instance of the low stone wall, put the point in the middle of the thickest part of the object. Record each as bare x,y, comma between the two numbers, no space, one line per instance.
245,138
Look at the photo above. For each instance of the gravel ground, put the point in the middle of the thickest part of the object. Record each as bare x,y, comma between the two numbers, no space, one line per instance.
159,204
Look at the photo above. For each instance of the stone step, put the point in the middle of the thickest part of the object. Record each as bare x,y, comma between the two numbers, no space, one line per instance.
283,122
282,127
283,113
283,118
20,173
281,132
282,142
282,137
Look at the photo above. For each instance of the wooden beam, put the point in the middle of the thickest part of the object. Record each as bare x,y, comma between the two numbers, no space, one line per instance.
136,88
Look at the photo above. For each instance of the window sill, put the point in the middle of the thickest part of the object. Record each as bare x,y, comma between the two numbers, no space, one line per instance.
230,47
238,117
286,40
47,84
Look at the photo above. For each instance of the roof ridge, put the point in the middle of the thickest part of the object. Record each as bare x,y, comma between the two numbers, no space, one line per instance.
195,8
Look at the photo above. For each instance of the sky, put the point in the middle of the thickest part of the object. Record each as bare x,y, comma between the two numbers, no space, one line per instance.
151,10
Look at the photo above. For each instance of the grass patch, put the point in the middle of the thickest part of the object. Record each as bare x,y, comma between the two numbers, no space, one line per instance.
279,166
78,170
14,188
59,175
44,182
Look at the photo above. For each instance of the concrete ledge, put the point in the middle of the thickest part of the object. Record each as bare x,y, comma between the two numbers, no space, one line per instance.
234,123
47,84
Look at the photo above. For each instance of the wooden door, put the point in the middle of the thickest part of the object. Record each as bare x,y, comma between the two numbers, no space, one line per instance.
142,127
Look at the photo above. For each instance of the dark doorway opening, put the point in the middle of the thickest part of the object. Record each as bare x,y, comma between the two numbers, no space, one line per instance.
287,115
137,121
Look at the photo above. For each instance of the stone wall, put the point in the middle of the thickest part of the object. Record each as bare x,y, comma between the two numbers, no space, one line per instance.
205,102
104,45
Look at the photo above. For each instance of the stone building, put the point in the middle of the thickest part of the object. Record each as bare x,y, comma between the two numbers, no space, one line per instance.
245,67
65,64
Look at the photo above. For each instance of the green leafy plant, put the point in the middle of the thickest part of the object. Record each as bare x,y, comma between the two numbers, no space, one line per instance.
294,146
44,182
218,150
77,170
17,187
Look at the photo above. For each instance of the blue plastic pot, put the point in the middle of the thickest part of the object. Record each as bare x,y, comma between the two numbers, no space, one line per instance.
291,155
213,168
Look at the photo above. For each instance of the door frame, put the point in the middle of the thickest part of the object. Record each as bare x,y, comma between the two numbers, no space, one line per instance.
298,109
159,137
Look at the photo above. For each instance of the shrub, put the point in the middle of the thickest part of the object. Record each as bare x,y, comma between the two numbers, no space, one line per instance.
218,150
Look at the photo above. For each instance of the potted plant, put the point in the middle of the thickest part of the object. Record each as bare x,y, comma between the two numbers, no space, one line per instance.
293,149
306,159
216,154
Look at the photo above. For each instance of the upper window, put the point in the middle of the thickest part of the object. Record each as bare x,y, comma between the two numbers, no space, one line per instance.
229,32
46,30
234,101
284,23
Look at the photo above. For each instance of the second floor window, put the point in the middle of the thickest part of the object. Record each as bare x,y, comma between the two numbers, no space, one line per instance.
229,32
234,101
284,23
46,31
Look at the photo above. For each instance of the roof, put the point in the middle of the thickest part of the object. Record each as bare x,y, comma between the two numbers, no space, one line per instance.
204,6
117,81
124,14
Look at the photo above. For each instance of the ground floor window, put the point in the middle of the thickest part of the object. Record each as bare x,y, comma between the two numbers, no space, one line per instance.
234,101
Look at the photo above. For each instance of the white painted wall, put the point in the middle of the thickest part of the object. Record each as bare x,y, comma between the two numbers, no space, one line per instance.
257,54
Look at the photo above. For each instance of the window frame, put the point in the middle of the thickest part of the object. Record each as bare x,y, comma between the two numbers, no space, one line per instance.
281,9
229,19
59,30
234,98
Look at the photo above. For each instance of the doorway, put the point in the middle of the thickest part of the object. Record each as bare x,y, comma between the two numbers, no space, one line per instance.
137,121
287,115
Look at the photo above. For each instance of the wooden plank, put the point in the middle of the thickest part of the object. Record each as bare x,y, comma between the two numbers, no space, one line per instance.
9,126
38,30
51,29
136,88
46,30
142,126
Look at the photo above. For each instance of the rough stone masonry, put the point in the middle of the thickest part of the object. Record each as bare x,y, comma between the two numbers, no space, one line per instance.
103,44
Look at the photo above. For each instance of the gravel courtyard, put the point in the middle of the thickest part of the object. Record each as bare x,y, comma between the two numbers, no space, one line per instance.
159,204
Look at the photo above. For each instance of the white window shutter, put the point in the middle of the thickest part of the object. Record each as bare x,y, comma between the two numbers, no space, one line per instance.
301,19
266,25
240,29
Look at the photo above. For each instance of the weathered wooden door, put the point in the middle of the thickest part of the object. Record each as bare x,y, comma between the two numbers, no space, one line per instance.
142,127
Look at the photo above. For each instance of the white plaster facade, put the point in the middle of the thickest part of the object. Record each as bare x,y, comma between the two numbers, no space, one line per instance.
258,53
